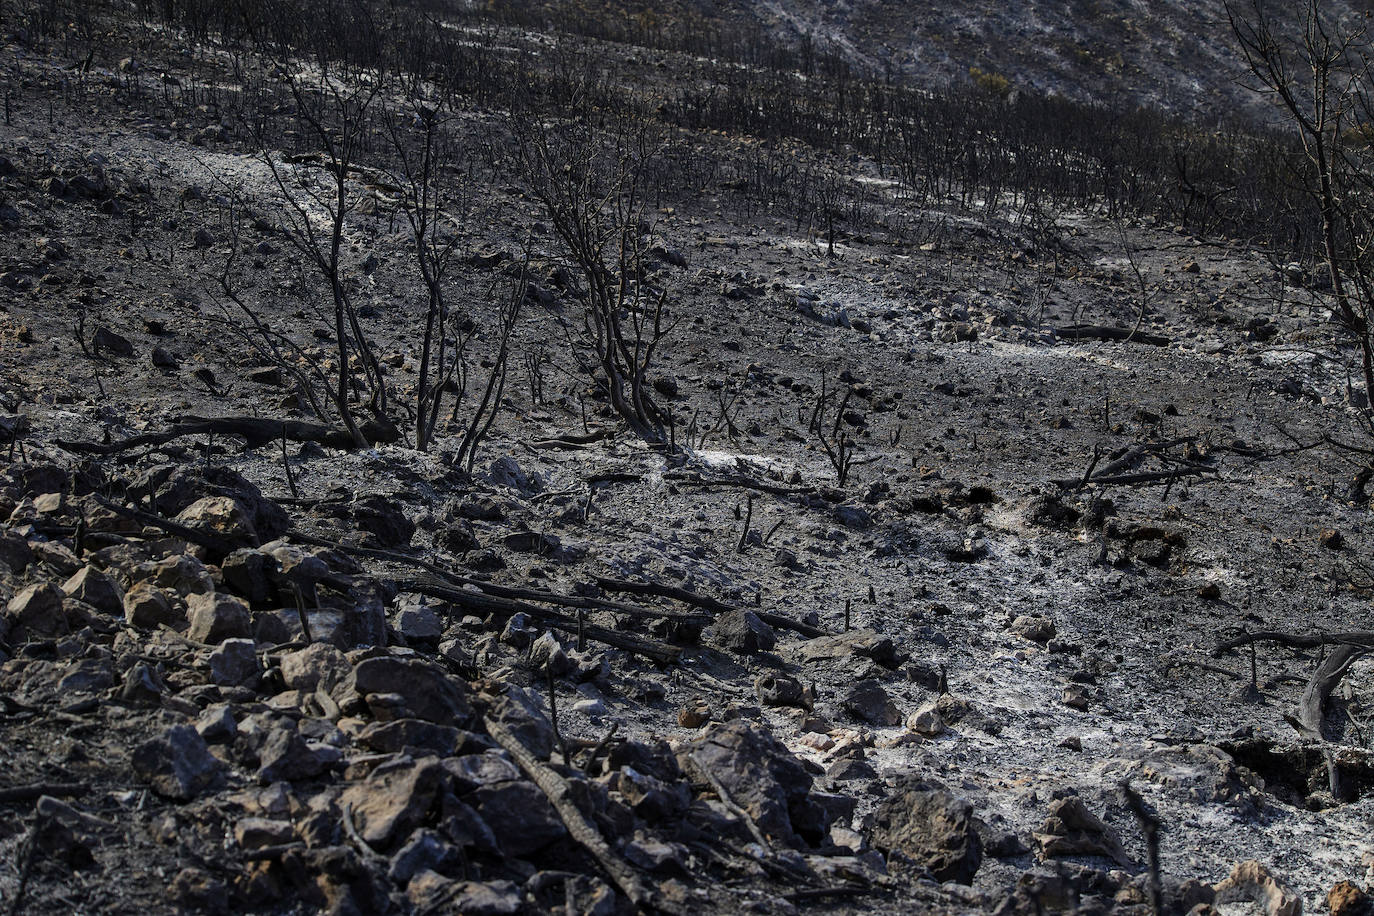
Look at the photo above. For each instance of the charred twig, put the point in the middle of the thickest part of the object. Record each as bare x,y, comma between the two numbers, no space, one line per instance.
255,431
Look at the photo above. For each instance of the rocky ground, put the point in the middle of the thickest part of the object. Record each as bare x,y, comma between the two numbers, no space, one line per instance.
589,675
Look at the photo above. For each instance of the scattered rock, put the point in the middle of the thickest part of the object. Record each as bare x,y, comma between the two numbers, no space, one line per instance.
1035,627
234,662
1347,899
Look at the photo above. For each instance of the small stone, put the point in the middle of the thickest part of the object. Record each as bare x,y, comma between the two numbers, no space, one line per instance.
108,340
934,829
417,624
1331,539
286,756
162,358
427,850
222,516
317,666
424,689
694,714
1035,627
1347,899
217,723
36,611
258,832
779,690
1251,882
142,684
1071,829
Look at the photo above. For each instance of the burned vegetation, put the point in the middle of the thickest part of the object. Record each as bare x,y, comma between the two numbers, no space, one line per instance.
532,459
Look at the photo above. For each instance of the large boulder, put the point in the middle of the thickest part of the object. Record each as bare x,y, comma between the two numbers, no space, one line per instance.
758,773
391,803
177,764
97,589
740,631
422,690
933,829
36,612
216,617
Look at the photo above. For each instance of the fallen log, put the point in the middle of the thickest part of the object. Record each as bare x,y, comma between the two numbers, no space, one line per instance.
660,653
1110,333
255,431
693,479
715,605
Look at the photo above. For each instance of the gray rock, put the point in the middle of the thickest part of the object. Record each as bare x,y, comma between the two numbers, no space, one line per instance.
842,646
217,616
868,701
147,606
471,898
520,815
222,516
142,684
518,710
417,623
383,520
259,832
162,358
97,589
457,537
105,339
740,631
182,574
1070,829
933,828
759,773
1035,627
217,724
36,612
507,472
15,552
427,850
414,736
286,757
317,666
425,690
234,662
177,764
249,573
780,690
389,805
